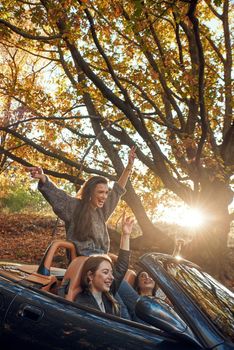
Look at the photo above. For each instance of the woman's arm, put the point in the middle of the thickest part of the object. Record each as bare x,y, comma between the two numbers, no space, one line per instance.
122,263
125,174
119,188
61,203
127,224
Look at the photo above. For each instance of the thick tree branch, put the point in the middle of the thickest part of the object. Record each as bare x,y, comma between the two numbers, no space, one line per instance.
179,44
121,33
72,179
41,149
20,47
154,66
215,48
66,69
218,15
227,70
28,35
167,90
203,116
101,51
51,119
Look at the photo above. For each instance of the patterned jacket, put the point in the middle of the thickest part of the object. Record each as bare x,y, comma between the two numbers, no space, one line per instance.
63,205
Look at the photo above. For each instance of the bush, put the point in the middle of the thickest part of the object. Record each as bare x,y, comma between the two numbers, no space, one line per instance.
19,199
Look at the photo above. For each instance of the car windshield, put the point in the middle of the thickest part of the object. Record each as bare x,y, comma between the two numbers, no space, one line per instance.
215,300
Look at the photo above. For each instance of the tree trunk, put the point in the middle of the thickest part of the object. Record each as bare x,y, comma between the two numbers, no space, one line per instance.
152,238
209,247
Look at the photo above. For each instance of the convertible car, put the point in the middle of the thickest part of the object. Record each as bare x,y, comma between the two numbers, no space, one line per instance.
37,310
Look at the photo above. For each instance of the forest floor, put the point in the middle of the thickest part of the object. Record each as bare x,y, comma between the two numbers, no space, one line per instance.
25,237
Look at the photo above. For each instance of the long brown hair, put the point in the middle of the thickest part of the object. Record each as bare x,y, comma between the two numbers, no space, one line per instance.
136,284
81,216
91,265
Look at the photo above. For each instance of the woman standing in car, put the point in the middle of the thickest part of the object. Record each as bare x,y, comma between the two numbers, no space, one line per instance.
85,216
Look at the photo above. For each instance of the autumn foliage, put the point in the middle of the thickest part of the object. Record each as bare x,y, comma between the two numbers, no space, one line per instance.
82,81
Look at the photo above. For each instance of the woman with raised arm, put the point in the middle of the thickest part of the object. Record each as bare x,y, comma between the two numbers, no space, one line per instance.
85,216
100,280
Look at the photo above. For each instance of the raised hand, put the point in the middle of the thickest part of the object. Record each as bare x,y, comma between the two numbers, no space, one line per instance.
127,224
131,156
36,173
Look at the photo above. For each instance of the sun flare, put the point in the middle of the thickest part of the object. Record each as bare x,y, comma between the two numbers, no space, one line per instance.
183,216
193,218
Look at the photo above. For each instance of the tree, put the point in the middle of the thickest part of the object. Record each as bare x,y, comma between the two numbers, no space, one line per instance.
152,73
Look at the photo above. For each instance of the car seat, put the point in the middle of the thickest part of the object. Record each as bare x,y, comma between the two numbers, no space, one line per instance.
46,262
70,285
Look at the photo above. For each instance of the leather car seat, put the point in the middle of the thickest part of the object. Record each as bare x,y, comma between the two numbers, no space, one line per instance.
130,277
46,263
70,285
42,276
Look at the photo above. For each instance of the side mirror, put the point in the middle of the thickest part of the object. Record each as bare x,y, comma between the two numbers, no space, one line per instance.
160,315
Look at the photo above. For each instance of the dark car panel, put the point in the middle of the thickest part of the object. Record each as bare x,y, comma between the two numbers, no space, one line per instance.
8,291
41,319
63,324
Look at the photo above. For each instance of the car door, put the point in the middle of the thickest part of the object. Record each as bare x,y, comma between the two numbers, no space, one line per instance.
8,291
42,321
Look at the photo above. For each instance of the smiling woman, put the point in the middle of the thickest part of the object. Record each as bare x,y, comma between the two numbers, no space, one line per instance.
85,216
100,280
99,195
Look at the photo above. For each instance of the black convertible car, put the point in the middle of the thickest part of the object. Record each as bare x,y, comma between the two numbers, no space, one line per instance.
34,313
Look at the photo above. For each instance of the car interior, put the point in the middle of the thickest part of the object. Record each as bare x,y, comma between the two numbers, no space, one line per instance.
67,286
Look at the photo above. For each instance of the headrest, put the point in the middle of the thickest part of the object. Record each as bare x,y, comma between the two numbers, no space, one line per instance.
72,277
130,277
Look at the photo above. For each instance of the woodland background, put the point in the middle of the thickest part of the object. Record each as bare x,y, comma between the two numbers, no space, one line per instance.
83,81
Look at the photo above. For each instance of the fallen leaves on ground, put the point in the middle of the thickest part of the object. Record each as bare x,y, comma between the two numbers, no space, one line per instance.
25,237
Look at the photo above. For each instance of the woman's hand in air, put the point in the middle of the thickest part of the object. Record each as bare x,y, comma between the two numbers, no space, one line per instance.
36,173
131,157
127,224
